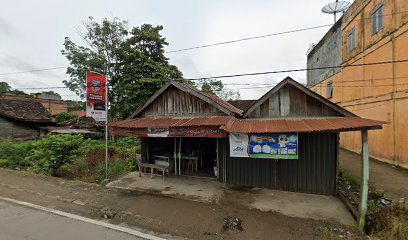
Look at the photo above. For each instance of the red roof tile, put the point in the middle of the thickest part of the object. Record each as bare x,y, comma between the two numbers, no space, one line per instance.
301,125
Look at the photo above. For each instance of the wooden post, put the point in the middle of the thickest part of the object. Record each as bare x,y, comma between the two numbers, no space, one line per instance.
175,156
364,180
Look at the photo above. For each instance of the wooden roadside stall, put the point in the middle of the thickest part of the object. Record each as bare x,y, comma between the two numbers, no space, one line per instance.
287,140
180,127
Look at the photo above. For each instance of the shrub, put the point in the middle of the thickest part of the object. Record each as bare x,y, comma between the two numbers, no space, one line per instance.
115,168
13,155
53,151
71,156
64,116
388,222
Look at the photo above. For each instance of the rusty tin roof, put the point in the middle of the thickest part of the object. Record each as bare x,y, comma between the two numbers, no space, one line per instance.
173,122
301,125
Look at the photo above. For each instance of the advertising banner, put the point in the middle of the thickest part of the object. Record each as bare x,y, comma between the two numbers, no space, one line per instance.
238,145
96,96
198,131
274,145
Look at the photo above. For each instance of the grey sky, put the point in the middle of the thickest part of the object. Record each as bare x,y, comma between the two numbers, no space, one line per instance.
32,33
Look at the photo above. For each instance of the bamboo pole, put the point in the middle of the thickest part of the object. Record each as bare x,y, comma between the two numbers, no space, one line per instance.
364,180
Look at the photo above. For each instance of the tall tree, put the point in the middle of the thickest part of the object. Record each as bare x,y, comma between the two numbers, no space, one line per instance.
216,87
133,60
5,89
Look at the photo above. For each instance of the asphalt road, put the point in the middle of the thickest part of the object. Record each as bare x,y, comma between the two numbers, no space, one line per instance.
20,223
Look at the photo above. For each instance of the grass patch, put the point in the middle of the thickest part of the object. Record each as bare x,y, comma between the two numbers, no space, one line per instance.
384,219
71,157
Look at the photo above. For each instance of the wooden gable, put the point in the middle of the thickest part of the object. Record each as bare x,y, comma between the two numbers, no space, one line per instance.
175,102
291,99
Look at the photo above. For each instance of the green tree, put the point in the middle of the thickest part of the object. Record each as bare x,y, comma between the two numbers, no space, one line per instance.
133,59
216,87
5,89
75,105
63,116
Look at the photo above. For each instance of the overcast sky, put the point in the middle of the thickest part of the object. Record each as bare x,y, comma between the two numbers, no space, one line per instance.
32,33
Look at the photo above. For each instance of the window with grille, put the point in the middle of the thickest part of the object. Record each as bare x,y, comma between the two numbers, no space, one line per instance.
377,18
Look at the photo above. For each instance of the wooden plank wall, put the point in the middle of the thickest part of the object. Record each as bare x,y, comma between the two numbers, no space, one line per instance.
174,102
12,130
291,102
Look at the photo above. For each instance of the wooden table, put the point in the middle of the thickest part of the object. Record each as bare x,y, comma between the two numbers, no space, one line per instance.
144,166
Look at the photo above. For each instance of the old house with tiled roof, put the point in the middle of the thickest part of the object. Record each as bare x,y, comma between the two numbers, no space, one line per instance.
22,119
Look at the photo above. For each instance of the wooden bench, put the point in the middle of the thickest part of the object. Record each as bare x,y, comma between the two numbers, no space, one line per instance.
152,167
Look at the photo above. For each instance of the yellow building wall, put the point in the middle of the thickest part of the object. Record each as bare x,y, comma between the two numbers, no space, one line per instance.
377,91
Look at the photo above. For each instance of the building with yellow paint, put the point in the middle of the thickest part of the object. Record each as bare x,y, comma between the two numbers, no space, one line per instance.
362,65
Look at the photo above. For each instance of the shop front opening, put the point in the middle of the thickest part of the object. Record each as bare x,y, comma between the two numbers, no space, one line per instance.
192,156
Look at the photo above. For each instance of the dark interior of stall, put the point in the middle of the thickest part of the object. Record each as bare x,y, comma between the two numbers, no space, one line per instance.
198,155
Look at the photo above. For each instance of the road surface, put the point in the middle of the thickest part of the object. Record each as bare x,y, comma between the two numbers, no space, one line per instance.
19,223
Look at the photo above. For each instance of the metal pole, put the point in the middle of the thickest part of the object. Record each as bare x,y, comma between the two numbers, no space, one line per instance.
364,180
106,129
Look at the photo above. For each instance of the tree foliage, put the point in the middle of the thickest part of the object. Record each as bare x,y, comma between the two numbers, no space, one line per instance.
49,93
63,116
216,87
133,59
75,105
5,89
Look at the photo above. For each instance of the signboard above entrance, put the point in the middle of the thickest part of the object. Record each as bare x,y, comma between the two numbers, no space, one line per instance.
201,131
157,132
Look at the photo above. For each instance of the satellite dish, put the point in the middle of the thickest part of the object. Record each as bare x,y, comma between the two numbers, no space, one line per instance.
336,7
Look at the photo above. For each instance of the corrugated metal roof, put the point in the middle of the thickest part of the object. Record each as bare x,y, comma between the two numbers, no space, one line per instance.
301,125
173,122
232,124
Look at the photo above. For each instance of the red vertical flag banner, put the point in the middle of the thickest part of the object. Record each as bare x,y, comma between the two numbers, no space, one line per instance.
96,96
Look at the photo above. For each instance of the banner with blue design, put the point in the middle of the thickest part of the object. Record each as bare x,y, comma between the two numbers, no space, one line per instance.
274,145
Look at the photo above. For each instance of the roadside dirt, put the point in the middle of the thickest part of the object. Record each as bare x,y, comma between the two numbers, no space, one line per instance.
188,219
383,176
